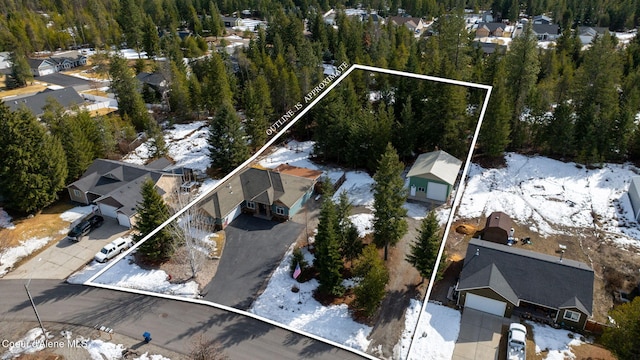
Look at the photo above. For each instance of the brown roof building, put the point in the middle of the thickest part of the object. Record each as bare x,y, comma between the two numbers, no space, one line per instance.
498,228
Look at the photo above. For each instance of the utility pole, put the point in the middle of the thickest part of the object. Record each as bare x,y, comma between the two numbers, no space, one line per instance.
33,305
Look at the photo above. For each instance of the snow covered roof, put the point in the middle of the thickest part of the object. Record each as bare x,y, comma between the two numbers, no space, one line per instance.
436,164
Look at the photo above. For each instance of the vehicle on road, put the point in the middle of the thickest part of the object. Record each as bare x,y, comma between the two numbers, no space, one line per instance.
517,342
85,227
112,249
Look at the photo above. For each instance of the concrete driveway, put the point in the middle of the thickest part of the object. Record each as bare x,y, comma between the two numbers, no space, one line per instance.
253,249
63,258
479,336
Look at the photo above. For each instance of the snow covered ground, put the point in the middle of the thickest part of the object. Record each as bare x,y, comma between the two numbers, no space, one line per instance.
186,145
551,195
5,220
436,334
33,341
557,342
301,311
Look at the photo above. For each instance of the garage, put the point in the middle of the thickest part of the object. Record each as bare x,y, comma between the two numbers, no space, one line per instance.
232,215
124,220
107,210
437,191
485,304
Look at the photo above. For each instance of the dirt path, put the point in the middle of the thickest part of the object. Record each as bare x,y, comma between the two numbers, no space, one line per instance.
402,287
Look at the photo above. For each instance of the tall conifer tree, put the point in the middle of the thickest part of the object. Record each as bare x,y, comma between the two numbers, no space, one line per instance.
227,143
152,212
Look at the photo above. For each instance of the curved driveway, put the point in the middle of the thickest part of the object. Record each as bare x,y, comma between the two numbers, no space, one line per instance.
172,323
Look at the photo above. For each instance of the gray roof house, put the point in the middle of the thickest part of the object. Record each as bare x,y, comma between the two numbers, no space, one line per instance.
542,19
432,176
269,193
66,97
115,187
634,196
415,25
546,32
507,281
42,67
588,33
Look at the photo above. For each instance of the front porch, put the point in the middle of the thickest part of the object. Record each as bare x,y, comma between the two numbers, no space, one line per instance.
536,313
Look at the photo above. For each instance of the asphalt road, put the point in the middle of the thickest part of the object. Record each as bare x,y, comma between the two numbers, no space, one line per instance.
172,323
253,249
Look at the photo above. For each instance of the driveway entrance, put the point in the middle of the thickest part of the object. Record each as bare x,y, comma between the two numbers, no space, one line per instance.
479,336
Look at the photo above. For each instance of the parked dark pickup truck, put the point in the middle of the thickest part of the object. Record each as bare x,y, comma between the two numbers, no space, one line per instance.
85,227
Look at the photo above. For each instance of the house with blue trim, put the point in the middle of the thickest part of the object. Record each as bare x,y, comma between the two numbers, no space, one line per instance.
274,194
432,176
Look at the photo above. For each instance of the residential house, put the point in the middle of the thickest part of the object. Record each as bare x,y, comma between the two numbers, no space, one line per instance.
5,62
588,33
230,22
157,82
506,281
276,194
42,67
116,188
542,19
490,30
634,196
489,48
415,25
546,32
67,97
66,61
498,228
432,176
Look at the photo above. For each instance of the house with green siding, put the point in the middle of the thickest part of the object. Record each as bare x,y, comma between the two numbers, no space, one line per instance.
432,176
274,194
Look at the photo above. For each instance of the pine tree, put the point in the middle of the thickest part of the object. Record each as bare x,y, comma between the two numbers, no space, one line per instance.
32,166
327,260
389,196
373,278
258,110
348,238
494,132
125,87
623,338
131,21
523,67
227,144
179,96
150,38
152,212
20,71
424,250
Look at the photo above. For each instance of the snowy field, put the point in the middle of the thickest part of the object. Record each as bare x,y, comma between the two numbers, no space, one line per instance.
301,311
96,349
550,196
556,341
186,145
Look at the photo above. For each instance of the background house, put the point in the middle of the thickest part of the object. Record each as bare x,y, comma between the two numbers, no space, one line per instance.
497,228
490,29
546,32
42,67
415,25
115,187
432,176
508,281
272,194
66,97
634,196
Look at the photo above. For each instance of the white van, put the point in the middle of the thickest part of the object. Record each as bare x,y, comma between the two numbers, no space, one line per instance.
112,249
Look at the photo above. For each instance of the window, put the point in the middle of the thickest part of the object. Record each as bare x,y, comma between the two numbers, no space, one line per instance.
77,193
279,210
421,189
251,205
572,315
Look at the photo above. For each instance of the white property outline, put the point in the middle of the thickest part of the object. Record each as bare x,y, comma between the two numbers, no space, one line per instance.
456,201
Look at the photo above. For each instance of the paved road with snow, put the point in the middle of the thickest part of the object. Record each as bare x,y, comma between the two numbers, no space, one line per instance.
172,323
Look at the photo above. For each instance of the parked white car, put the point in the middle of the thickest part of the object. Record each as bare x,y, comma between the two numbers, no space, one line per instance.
112,249
517,342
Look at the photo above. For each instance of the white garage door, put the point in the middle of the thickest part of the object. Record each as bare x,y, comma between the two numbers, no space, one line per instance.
437,191
485,304
123,220
107,210
233,215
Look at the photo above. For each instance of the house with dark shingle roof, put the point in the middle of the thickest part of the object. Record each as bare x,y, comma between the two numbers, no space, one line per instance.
116,187
490,29
42,67
546,32
275,194
504,281
432,176
67,97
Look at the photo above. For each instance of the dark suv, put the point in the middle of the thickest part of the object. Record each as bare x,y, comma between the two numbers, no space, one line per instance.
85,227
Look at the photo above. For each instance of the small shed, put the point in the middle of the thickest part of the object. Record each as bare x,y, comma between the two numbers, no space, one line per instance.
634,196
432,176
498,228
